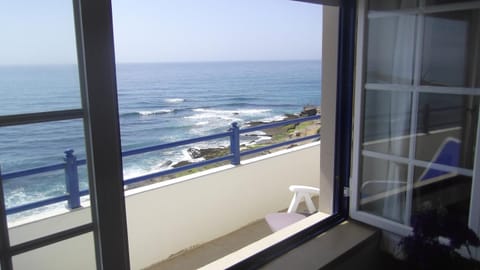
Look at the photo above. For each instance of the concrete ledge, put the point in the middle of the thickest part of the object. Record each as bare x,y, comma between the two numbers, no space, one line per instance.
333,249
324,251
265,243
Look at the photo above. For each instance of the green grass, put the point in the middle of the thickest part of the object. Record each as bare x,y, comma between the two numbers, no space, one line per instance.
305,125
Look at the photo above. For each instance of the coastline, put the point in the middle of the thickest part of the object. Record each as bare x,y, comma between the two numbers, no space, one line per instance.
266,137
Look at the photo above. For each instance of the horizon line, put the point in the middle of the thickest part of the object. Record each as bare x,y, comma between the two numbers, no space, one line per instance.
168,62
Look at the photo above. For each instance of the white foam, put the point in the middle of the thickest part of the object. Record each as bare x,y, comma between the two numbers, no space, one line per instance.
134,171
239,112
263,138
256,133
273,118
187,157
145,113
227,115
174,100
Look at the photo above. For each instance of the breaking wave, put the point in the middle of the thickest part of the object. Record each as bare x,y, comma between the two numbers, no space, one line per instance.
225,114
174,100
146,113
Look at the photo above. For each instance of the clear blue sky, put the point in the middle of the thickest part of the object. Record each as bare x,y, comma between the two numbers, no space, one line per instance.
41,32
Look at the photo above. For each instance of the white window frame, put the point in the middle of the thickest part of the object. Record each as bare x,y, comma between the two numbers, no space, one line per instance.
416,89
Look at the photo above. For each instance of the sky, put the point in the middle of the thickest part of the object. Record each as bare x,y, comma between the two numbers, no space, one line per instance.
42,32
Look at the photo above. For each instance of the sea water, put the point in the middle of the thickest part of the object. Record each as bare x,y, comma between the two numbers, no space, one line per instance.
158,103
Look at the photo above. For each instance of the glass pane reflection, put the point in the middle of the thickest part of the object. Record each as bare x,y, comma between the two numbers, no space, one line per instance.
387,122
382,188
446,193
451,49
446,129
390,49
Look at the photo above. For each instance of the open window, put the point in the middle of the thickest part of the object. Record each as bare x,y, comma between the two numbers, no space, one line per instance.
416,138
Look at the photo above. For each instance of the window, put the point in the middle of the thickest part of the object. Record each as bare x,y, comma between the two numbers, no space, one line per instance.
183,75
41,117
98,110
417,112
47,98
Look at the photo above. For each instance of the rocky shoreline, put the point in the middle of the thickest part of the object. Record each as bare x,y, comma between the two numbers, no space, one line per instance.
267,137
272,133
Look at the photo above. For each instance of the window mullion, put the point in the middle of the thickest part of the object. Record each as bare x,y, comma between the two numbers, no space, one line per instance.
417,69
94,30
358,107
34,118
423,89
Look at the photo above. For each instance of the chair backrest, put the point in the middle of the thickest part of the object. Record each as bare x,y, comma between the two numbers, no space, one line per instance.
303,193
447,154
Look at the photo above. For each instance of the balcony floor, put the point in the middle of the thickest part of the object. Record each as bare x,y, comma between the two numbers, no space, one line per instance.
204,254
201,255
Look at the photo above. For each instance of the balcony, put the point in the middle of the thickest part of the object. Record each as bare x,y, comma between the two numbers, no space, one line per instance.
172,216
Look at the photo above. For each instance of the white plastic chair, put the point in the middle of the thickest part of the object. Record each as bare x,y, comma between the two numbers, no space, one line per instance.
303,193
277,221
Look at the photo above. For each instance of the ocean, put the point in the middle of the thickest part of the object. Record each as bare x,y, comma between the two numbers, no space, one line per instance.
158,103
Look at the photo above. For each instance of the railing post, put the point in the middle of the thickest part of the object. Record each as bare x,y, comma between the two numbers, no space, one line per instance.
235,143
71,179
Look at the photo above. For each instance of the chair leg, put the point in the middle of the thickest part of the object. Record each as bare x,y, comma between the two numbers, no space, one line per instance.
294,203
310,206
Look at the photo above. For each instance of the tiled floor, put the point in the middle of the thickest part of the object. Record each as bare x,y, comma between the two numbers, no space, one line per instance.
211,251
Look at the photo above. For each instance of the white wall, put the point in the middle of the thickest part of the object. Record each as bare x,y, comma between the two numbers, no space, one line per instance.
167,217
329,106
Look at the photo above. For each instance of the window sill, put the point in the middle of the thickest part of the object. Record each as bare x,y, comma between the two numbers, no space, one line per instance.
314,254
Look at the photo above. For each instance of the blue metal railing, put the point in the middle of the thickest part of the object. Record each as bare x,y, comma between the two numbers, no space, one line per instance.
73,192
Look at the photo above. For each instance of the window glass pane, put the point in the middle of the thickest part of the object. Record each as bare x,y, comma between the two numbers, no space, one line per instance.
447,129
451,49
445,193
187,69
390,49
27,147
74,253
38,70
387,122
382,188
435,55
391,4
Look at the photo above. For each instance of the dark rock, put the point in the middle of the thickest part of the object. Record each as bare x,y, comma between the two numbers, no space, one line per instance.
256,123
308,111
181,163
194,152
209,153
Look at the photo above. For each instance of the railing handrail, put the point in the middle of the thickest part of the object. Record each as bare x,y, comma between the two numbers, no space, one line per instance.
33,171
72,182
